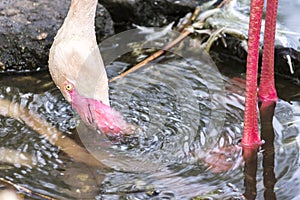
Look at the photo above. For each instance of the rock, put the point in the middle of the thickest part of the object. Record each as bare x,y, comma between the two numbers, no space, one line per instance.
28,28
147,13
281,62
232,58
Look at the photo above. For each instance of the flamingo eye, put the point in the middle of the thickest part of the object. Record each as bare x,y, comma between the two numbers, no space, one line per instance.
69,87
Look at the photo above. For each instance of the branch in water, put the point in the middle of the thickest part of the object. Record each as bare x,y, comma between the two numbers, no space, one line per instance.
16,157
11,195
42,127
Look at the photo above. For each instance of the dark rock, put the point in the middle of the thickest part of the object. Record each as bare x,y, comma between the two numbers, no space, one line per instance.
28,28
125,13
103,23
281,62
232,58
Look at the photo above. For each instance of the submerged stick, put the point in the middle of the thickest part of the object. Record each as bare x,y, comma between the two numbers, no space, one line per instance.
25,190
68,146
16,157
42,127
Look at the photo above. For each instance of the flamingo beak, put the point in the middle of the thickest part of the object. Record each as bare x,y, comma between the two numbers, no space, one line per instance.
96,114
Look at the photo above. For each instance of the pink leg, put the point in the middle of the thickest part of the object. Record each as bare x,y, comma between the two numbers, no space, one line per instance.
250,136
267,91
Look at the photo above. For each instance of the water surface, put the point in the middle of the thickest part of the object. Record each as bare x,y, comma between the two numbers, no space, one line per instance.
182,113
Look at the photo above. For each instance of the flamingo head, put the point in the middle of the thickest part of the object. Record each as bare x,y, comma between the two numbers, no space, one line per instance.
93,112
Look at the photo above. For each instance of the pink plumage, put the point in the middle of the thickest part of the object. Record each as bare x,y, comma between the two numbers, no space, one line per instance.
97,114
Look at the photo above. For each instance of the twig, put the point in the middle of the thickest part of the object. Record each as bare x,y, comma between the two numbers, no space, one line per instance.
54,136
25,190
185,32
213,38
191,19
153,56
224,2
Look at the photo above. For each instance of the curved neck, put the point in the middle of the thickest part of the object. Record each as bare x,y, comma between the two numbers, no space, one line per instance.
81,15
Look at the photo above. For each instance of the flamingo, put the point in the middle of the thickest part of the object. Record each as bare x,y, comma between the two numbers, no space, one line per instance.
77,69
266,91
75,65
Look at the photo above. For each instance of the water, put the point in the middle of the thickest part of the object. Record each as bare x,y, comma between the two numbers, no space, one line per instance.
182,112
163,143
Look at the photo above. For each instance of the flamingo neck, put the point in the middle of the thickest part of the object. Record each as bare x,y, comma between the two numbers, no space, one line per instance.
81,17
